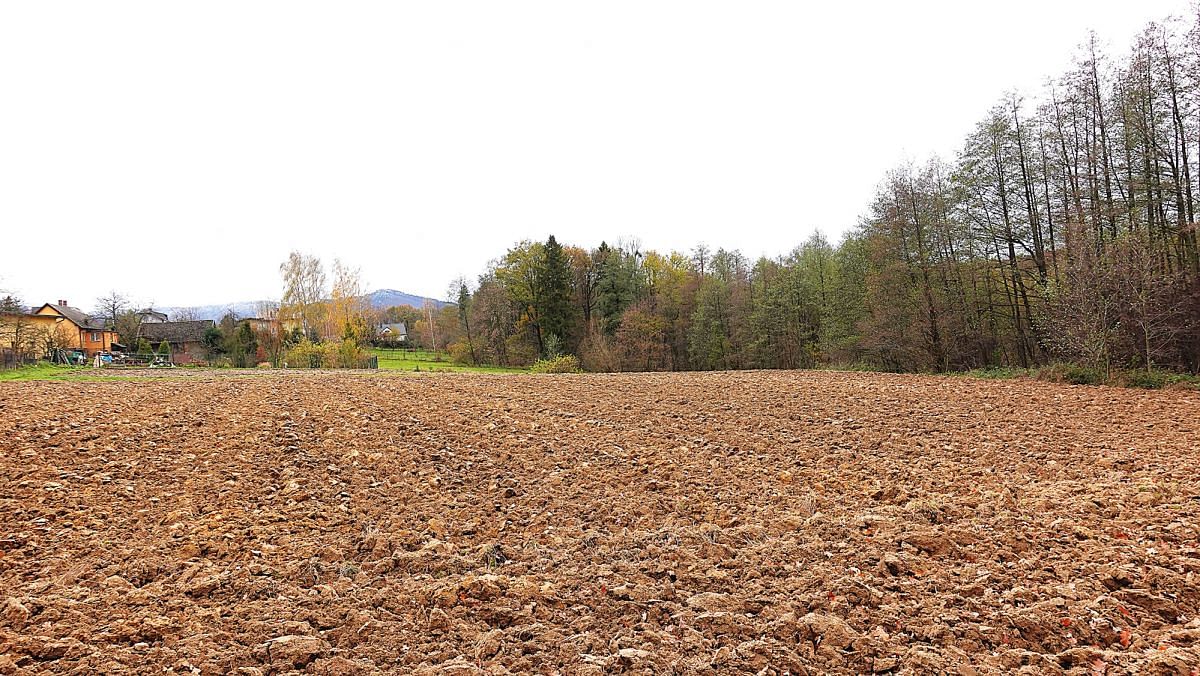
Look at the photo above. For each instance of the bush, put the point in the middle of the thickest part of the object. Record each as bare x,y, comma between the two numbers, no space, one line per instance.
1155,379
309,355
518,351
1143,379
460,353
998,372
1082,375
1071,373
304,355
1183,381
567,363
599,354
857,366
552,347
349,355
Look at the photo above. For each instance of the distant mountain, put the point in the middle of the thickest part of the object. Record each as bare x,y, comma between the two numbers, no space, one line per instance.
383,298
249,308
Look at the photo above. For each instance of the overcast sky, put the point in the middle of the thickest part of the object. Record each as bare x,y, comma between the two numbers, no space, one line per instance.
177,151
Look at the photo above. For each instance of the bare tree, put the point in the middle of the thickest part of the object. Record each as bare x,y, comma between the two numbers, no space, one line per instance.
347,316
266,309
430,310
110,307
1152,316
1082,318
303,289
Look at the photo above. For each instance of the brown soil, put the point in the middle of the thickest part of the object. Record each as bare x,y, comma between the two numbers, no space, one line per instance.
759,522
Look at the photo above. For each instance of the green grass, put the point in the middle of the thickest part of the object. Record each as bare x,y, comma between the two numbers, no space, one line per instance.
44,371
428,360
1074,374
1156,379
391,360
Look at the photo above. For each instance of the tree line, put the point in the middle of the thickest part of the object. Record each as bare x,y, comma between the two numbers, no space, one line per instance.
1064,230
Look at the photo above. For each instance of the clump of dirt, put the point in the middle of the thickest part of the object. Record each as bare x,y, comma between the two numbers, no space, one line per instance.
761,522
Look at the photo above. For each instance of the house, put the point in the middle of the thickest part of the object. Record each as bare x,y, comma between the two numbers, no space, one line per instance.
151,316
261,325
75,329
392,333
24,336
185,338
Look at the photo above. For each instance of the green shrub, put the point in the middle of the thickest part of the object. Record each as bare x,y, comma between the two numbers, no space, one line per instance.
857,366
305,355
1082,375
460,353
349,356
998,372
552,347
1071,373
1143,379
1155,379
1183,381
345,354
567,363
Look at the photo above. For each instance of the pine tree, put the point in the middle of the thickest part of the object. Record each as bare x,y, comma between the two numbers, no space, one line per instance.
554,280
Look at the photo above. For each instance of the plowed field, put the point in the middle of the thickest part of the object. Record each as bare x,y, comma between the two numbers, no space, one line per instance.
756,522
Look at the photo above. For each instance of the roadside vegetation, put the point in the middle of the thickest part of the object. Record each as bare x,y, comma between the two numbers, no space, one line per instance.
1073,374
46,371
423,360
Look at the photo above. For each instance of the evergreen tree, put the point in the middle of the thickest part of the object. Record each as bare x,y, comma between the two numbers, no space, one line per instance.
464,318
617,284
554,280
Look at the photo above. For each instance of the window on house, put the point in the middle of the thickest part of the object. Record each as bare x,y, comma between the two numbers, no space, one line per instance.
95,337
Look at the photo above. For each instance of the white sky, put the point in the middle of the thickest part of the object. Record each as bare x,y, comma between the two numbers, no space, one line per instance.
177,151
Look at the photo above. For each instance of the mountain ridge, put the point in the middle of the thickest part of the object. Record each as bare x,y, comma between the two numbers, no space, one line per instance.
378,299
